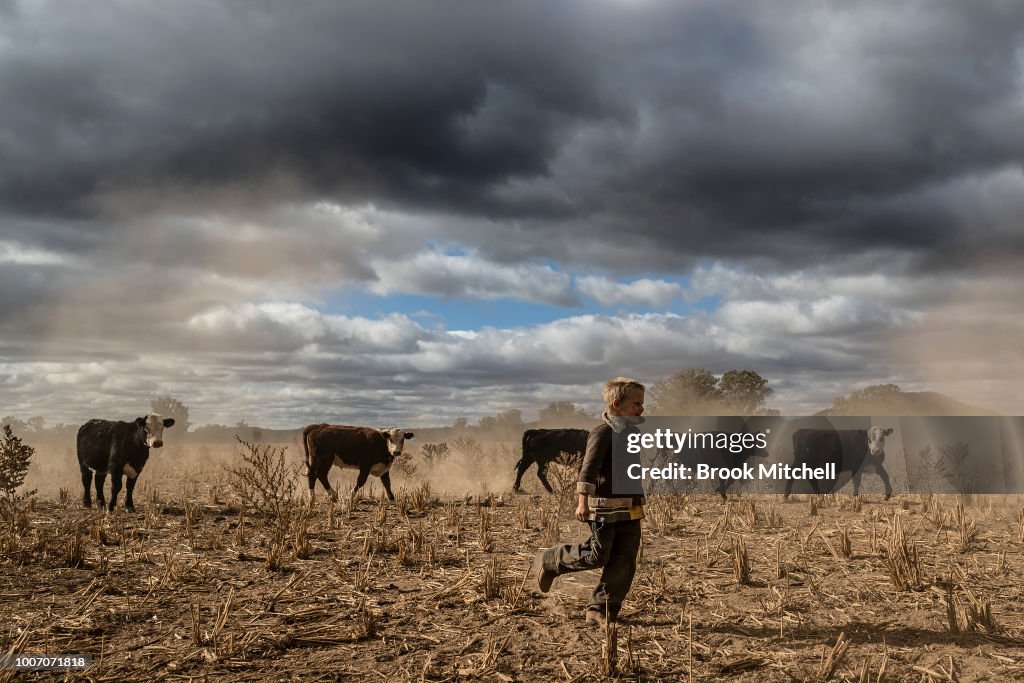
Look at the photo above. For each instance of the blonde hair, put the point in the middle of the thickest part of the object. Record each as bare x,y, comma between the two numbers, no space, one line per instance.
617,389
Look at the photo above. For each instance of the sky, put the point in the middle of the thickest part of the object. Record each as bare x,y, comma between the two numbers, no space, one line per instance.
409,212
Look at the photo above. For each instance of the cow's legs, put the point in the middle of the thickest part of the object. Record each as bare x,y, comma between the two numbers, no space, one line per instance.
101,478
789,488
542,474
364,474
115,489
86,484
521,468
320,475
880,470
129,486
856,480
311,478
386,480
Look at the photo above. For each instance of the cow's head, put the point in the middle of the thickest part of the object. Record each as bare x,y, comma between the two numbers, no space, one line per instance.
876,439
151,428
396,440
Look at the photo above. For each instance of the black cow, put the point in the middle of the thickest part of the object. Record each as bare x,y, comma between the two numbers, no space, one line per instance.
368,450
851,449
117,448
542,446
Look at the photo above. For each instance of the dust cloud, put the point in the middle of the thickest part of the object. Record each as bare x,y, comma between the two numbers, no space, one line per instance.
970,346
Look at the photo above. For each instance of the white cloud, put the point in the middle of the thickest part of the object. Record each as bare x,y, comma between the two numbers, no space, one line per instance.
877,278
642,292
295,327
471,276
13,252
828,316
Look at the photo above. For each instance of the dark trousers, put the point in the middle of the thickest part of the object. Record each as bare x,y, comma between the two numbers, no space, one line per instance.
613,546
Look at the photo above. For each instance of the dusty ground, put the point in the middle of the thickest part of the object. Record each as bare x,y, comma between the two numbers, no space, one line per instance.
434,587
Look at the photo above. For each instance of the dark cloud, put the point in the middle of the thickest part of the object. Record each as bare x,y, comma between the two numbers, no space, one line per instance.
184,187
747,129
403,104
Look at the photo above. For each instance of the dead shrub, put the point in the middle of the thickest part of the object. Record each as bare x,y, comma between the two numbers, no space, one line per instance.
466,446
264,482
435,453
404,465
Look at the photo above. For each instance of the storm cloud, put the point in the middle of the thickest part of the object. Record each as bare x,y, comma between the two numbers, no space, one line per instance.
250,205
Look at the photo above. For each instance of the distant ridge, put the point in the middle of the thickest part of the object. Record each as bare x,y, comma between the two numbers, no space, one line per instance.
920,403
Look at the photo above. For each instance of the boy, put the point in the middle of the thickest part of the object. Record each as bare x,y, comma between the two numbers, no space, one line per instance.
614,520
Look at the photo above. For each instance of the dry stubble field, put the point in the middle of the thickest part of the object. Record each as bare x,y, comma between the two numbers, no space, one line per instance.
434,587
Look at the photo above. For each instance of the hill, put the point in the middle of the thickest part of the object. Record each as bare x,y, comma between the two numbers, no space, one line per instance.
920,403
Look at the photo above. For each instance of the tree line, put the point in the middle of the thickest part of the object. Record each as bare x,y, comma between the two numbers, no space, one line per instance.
691,391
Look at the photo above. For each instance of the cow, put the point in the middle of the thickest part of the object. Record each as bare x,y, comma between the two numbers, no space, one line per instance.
368,450
542,446
717,456
118,449
852,450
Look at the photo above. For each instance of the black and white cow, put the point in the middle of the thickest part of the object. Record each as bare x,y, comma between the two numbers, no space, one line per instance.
368,450
542,446
852,450
118,449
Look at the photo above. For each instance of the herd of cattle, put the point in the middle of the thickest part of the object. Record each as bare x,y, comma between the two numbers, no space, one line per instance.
121,449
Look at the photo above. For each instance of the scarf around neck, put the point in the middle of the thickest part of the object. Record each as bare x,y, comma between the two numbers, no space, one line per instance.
620,422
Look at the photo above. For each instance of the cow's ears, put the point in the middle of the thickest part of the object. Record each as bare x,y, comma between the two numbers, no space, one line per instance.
141,421
408,435
168,422
887,431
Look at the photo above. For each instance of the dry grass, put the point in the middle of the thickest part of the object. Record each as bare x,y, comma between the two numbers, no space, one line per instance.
436,588
740,561
902,559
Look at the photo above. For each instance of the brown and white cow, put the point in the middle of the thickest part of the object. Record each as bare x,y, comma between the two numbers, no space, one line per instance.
368,450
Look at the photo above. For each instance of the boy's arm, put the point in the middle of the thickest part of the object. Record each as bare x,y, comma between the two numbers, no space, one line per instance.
590,470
